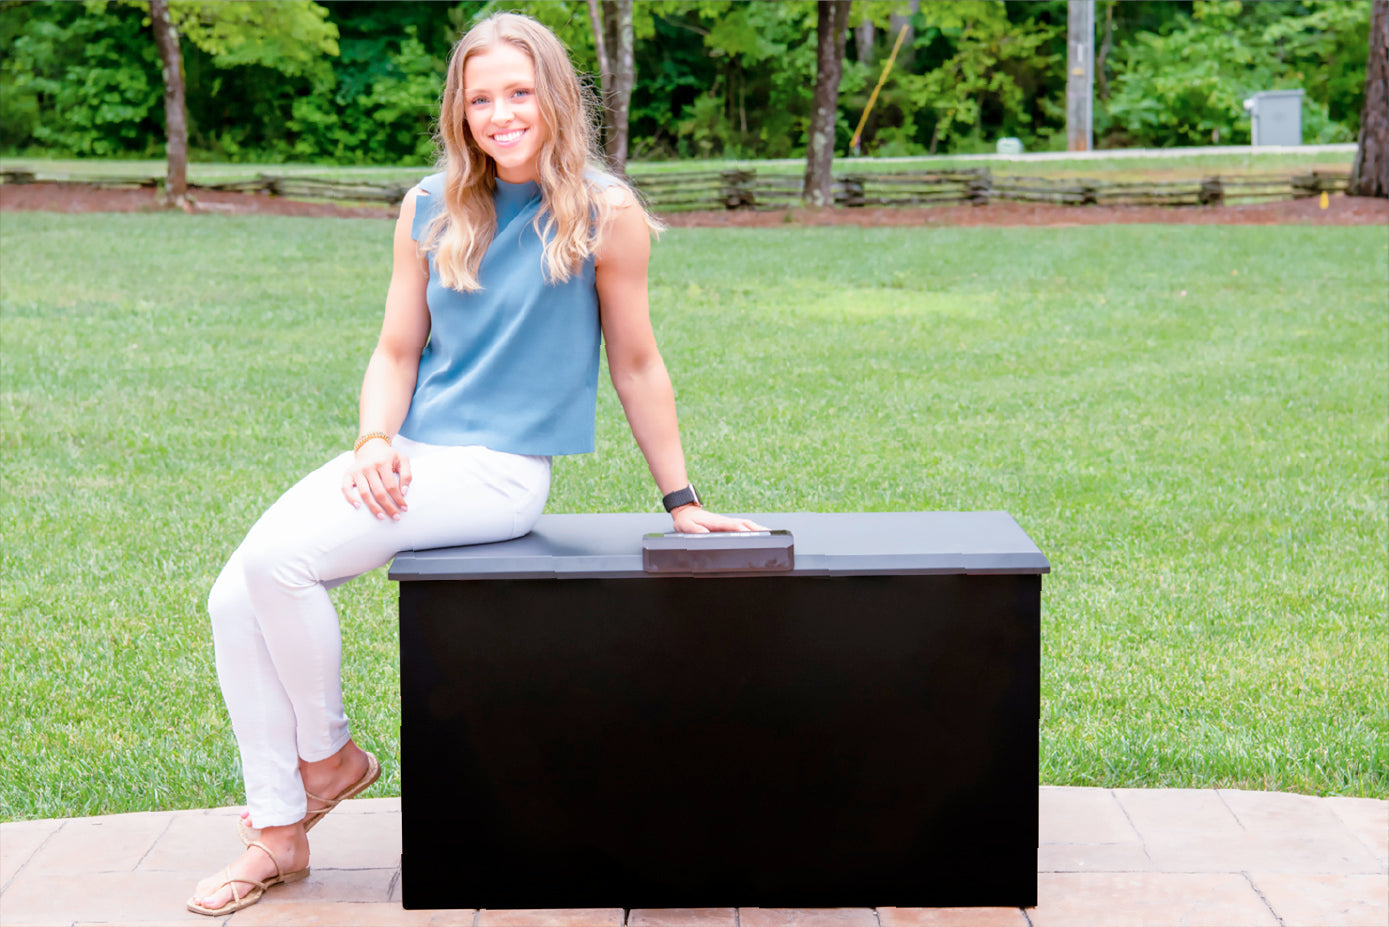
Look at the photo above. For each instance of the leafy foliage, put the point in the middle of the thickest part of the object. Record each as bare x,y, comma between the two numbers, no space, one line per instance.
358,82
78,78
1187,84
291,36
984,60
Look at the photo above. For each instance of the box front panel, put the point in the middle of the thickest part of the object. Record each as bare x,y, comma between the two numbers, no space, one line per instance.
768,741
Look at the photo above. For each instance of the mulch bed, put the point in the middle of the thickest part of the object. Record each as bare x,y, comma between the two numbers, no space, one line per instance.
1341,210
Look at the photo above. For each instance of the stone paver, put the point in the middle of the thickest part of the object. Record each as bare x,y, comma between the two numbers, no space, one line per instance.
1280,813
1107,857
134,899
1148,899
952,917
1087,830
807,917
1205,831
365,806
375,914
22,839
1069,815
1093,857
682,917
552,917
1326,899
334,885
1168,814
203,921
111,844
359,841
1368,819
199,842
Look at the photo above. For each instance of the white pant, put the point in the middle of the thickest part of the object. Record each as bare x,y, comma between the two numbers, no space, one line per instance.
275,631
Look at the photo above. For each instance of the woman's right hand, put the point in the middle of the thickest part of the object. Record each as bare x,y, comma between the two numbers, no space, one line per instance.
378,477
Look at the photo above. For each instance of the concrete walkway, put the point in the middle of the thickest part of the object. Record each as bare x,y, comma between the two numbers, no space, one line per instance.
1108,858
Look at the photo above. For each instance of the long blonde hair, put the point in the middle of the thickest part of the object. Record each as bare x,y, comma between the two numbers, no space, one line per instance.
575,209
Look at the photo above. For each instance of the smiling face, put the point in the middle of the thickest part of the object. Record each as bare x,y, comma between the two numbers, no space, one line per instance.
502,111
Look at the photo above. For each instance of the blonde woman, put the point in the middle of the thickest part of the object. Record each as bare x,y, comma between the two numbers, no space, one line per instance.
486,367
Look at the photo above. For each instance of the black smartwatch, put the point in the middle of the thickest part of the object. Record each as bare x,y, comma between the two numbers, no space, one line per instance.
673,500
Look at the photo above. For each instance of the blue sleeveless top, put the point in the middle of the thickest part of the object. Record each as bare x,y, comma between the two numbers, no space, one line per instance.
513,366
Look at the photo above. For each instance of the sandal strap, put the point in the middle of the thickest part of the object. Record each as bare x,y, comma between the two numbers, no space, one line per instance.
329,803
231,882
266,850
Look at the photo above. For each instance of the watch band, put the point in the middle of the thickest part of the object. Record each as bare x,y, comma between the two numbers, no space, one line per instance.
673,500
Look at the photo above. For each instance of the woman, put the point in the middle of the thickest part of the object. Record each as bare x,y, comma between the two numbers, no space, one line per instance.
486,367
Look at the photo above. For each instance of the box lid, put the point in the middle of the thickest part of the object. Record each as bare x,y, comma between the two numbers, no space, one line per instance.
608,546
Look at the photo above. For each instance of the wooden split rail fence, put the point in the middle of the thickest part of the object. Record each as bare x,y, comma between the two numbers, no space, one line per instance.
746,189
307,188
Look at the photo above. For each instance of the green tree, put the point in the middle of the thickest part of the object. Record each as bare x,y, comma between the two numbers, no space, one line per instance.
377,104
1369,174
716,77
84,78
754,72
973,70
612,42
830,31
77,78
1186,84
175,109
291,36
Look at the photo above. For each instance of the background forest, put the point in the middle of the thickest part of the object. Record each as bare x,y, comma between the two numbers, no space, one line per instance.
357,82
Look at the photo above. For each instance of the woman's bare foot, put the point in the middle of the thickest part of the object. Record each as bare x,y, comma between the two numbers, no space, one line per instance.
291,848
327,778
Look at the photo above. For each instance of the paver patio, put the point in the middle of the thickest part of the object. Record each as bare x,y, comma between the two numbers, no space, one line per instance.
1109,857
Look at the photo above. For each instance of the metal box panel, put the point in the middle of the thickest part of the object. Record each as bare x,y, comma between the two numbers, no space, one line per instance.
1276,116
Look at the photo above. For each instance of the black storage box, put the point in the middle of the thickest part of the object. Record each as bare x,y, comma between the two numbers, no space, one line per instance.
859,730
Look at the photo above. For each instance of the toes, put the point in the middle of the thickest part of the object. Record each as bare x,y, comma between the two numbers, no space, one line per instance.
205,892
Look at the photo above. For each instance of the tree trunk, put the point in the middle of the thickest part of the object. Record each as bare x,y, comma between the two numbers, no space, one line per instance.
895,23
865,35
832,20
1369,176
175,116
605,74
1080,76
617,64
1102,57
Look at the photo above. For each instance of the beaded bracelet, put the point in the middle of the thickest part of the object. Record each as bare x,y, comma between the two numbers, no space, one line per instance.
370,435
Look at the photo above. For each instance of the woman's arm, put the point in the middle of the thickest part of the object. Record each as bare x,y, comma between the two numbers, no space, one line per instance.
379,474
638,372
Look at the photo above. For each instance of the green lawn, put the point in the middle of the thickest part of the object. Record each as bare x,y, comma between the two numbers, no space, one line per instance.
1189,420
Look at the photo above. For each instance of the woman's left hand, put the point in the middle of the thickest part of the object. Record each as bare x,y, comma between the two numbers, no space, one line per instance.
691,519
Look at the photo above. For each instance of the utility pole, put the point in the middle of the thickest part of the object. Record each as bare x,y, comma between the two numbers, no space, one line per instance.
1080,74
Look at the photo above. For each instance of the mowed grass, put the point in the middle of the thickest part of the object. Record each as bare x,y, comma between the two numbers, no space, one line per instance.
1189,420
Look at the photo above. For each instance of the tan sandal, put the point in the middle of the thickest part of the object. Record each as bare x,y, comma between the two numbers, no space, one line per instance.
258,888
249,835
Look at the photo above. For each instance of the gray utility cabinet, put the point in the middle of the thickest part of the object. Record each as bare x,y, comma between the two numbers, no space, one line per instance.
859,730
1276,117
